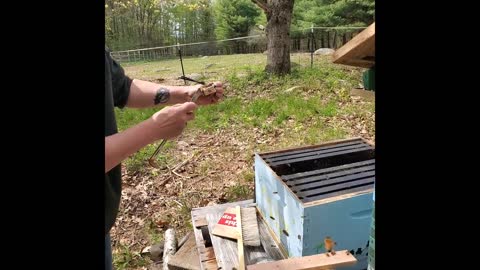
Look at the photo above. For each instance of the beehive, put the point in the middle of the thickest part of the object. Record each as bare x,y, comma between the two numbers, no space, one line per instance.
306,194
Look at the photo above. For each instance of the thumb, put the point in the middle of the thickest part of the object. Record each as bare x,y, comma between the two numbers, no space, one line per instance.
188,107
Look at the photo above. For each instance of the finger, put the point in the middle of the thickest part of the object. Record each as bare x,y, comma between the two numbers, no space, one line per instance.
188,107
219,91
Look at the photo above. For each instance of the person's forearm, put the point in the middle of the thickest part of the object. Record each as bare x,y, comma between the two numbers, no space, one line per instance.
121,145
145,94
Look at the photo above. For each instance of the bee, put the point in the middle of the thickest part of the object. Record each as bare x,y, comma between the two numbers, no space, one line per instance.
329,244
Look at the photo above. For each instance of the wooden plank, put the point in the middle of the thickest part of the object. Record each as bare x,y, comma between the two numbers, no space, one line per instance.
240,248
224,230
358,49
201,211
207,258
359,63
199,222
226,250
206,255
352,193
314,262
268,242
186,257
211,265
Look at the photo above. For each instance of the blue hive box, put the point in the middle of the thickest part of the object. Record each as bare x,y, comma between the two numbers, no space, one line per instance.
309,193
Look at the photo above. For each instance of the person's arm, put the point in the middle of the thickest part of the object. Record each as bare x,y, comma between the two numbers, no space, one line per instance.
147,94
136,93
164,124
121,145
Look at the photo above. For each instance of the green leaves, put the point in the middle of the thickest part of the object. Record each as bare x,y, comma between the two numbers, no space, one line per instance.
235,18
333,13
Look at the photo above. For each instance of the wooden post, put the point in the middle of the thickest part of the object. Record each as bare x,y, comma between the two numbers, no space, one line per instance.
335,39
328,39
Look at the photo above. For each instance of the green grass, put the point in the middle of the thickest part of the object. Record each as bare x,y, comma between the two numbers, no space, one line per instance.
170,68
238,192
127,259
153,232
279,108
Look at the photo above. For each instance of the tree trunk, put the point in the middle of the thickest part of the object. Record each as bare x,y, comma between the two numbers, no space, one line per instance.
279,17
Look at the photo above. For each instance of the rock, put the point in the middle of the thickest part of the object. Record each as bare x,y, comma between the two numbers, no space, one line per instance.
195,76
324,51
156,252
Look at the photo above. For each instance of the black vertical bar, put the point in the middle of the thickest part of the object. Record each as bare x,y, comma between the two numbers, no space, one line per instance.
181,63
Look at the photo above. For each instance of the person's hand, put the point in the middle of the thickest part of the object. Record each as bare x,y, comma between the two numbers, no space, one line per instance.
170,121
210,99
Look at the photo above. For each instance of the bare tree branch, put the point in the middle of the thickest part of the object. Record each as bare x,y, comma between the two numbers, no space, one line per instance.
262,4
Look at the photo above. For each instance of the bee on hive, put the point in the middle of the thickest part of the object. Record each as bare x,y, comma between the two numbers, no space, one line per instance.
329,244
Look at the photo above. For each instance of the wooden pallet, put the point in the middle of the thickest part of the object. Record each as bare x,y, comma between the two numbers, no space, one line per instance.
221,253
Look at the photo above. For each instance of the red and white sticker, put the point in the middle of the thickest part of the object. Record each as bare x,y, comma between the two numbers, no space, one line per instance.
228,220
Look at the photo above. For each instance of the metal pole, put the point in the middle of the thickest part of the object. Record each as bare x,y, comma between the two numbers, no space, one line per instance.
180,54
311,49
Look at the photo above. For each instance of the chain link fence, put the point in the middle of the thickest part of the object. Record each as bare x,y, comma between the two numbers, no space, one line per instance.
315,40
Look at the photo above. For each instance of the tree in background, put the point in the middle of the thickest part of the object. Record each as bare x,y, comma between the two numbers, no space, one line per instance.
131,24
234,18
279,16
331,13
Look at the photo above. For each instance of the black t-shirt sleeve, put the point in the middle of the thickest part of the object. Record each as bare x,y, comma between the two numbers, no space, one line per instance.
120,84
